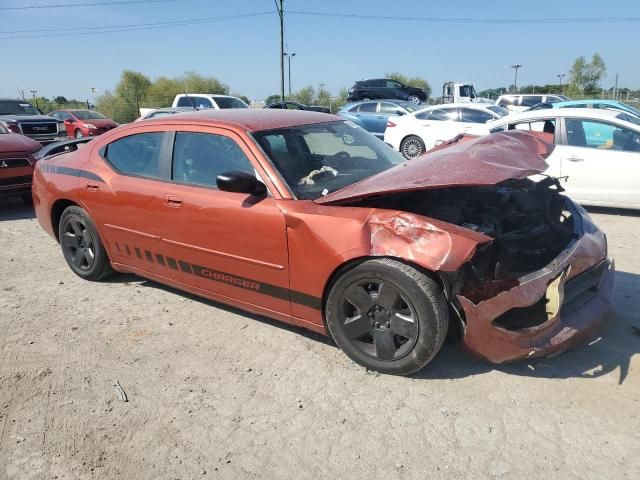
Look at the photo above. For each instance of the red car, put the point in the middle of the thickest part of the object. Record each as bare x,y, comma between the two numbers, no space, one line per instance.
83,123
308,219
16,164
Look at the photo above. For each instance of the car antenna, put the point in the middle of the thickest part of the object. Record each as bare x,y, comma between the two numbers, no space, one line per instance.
193,104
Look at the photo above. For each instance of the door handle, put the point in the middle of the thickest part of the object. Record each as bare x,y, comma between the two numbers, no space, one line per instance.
92,187
172,200
575,159
380,116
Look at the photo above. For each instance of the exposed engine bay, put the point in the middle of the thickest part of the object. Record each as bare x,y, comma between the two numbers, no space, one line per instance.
529,222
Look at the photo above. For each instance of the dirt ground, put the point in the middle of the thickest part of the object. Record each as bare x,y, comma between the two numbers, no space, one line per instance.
216,393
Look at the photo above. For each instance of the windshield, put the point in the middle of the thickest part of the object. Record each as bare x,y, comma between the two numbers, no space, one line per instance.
627,117
409,106
321,158
87,115
16,107
230,102
498,110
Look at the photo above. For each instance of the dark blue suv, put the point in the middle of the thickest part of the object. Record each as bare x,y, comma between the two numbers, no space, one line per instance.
385,88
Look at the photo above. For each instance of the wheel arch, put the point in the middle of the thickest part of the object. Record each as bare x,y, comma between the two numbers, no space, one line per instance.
354,262
57,209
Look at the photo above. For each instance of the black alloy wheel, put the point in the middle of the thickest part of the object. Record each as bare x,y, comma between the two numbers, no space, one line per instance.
387,315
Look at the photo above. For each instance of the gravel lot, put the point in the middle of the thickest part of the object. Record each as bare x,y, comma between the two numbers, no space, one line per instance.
216,393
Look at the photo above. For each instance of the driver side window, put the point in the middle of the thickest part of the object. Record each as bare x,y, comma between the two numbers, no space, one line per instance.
198,158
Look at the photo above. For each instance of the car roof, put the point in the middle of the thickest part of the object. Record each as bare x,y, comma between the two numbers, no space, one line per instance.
214,95
478,106
562,112
250,119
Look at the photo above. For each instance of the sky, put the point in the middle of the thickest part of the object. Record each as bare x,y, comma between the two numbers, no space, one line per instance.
243,52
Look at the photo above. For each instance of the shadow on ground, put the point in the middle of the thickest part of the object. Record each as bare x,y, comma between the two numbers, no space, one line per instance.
15,209
613,348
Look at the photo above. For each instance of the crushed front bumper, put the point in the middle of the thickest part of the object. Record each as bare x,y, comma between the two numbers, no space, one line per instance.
568,300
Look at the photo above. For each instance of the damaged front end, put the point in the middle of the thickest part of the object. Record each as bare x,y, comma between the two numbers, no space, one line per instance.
523,266
539,285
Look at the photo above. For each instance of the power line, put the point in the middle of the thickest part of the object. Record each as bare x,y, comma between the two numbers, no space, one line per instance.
126,28
470,20
90,4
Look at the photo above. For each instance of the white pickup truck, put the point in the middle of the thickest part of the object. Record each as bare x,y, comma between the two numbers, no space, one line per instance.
208,100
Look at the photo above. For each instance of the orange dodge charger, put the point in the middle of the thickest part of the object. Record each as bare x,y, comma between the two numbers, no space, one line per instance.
309,219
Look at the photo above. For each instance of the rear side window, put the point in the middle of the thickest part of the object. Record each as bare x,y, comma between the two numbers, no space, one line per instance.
506,101
471,115
200,102
137,155
198,158
530,101
440,114
368,107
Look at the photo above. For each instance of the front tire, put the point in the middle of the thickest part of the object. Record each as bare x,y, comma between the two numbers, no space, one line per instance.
387,316
78,133
81,245
412,146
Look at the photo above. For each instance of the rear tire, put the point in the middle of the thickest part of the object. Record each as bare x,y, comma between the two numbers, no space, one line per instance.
81,245
412,146
387,316
414,99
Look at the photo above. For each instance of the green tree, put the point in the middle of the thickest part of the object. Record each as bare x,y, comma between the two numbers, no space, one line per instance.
131,90
193,82
272,99
162,92
417,82
585,76
305,95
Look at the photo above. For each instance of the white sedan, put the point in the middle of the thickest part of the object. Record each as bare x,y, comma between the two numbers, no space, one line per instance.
414,134
598,151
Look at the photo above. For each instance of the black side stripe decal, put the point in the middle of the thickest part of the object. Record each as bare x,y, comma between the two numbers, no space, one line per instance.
241,282
73,172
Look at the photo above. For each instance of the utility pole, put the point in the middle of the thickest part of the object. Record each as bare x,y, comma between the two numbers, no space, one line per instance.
615,89
560,77
34,97
289,56
515,81
281,14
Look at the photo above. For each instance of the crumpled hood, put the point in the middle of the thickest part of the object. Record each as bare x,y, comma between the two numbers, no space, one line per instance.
486,160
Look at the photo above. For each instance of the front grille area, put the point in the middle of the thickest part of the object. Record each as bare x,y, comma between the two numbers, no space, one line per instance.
39,128
6,182
13,163
580,289
577,291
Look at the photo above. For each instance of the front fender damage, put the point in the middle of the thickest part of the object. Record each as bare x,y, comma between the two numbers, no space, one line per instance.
430,243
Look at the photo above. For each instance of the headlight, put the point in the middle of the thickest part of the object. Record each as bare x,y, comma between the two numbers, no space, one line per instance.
11,126
90,126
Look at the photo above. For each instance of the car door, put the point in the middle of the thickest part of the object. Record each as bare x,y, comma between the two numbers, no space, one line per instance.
473,121
230,244
124,196
367,115
436,126
602,162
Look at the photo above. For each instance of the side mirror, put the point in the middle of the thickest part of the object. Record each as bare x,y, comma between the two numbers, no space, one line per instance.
240,182
399,113
69,120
